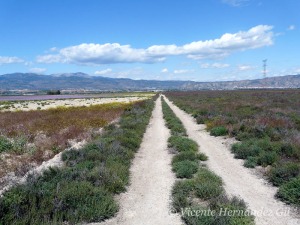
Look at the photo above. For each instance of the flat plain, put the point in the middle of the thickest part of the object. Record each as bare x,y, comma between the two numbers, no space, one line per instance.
154,160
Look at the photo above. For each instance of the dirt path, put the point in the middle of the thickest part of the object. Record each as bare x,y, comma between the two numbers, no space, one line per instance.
238,180
147,200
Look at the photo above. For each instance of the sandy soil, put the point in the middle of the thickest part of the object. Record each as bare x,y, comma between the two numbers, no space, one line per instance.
238,180
147,200
47,104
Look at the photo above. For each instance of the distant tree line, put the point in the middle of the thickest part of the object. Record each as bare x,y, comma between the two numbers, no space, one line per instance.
53,92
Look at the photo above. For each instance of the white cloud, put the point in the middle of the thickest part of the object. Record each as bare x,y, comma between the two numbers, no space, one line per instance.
9,60
164,70
235,3
214,65
97,54
245,67
37,70
133,73
103,72
51,59
291,27
183,71
28,63
53,49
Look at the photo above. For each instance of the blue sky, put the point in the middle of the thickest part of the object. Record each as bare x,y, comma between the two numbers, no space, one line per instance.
159,39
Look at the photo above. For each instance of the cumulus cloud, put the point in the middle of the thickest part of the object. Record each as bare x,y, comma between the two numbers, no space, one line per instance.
51,59
109,53
9,60
214,65
37,70
235,3
183,71
245,67
164,70
97,54
291,27
53,49
103,72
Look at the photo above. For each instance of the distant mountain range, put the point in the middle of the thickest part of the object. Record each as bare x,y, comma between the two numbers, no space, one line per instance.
76,81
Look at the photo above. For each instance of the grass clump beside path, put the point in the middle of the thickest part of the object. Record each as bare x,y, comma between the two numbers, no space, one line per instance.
201,191
173,123
290,191
185,162
83,190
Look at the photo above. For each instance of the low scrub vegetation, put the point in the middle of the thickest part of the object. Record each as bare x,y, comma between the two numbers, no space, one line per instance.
201,190
182,144
283,173
185,163
266,122
38,135
217,212
290,191
173,123
83,190
185,168
218,131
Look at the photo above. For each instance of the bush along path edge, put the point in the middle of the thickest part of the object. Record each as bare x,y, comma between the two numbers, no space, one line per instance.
198,194
82,191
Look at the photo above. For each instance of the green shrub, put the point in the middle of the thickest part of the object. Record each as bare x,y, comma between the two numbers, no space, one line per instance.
5,144
243,136
190,216
180,194
118,176
234,204
288,150
202,157
208,190
207,184
283,173
218,131
267,158
250,162
19,144
182,144
173,123
182,156
185,169
198,215
85,202
177,129
267,145
245,149
200,119
56,202
205,175
256,147
290,191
